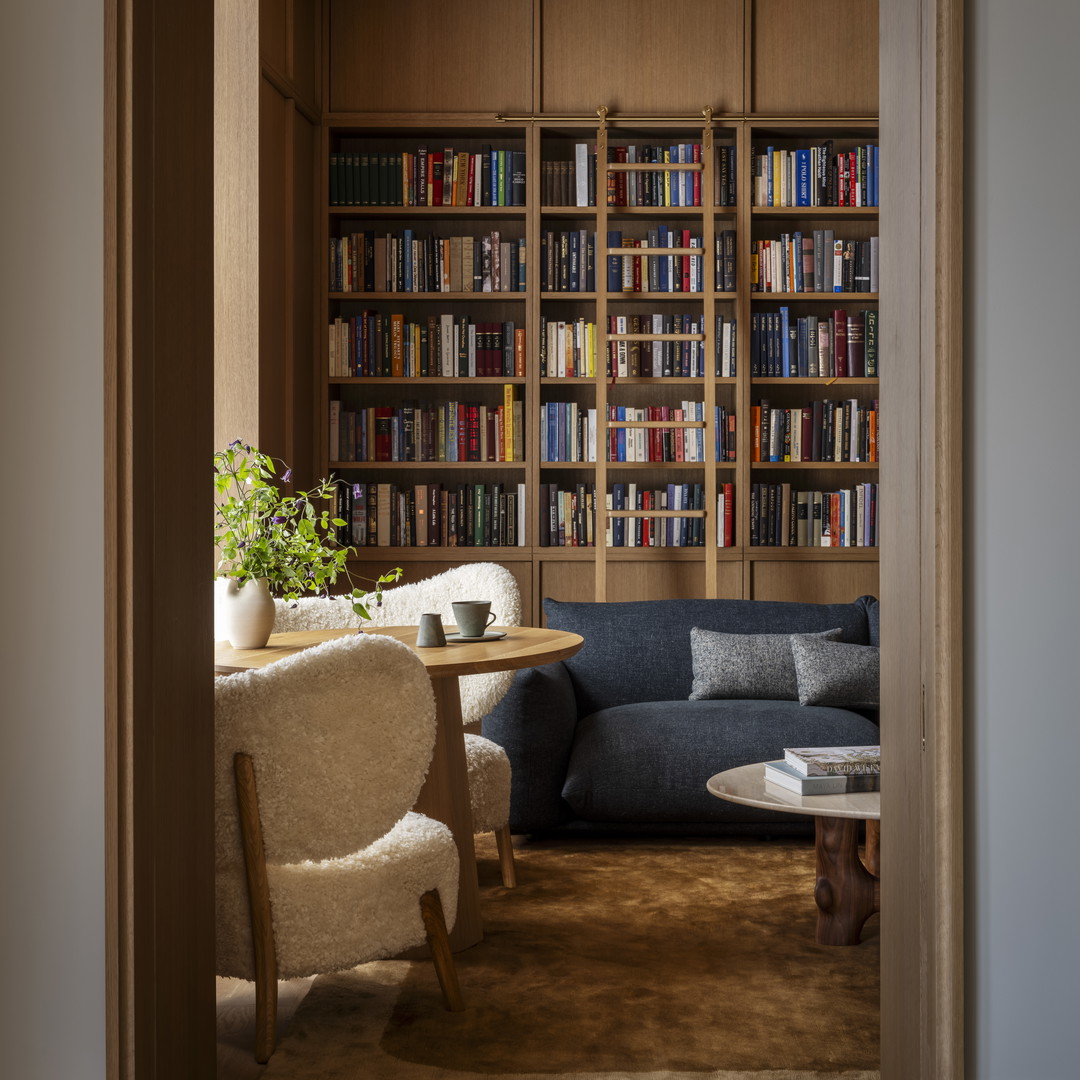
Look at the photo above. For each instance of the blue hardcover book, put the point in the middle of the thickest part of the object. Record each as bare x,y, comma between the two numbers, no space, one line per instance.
618,525
877,173
802,177
676,177
662,270
620,436
407,246
614,262
785,343
797,258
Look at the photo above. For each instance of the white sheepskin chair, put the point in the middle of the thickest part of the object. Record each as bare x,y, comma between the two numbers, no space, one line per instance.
488,765
320,863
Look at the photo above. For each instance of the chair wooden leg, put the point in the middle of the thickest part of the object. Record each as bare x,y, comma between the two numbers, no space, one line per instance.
262,927
506,857
439,943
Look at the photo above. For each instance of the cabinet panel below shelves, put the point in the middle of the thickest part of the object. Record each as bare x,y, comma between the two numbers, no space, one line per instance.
832,581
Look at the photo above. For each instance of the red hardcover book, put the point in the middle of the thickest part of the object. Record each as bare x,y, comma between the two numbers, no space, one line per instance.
840,352
383,419
697,175
470,191
854,193
729,515
472,433
686,261
834,519
435,178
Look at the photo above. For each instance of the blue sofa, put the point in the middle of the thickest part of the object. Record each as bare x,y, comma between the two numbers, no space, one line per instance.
608,740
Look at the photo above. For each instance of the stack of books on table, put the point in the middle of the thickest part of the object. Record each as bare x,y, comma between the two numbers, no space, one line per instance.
826,770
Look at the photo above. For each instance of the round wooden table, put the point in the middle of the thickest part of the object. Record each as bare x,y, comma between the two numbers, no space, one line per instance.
445,794
847,891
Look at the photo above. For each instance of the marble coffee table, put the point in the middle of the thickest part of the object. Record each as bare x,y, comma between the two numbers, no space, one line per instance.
847,891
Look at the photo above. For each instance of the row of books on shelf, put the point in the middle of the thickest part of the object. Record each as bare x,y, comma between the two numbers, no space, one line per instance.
568,347
841,345
815,176
784,516
440,431
446,345
814,262
568,261
568,516
445,177
823,430
573,183
826,770
413,263
568,433
432,515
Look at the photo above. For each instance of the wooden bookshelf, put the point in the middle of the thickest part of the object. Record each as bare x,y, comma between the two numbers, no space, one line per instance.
780,85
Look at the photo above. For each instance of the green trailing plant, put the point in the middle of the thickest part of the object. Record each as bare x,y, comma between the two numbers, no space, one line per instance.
290,540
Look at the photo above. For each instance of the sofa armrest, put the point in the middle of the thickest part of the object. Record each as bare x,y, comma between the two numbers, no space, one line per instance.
535,724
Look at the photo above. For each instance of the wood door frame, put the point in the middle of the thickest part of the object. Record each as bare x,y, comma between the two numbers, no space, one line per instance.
158,393
159,316
922,990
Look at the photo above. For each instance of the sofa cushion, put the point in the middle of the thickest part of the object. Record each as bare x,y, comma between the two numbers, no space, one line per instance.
649,761
639,650
834,673
747,665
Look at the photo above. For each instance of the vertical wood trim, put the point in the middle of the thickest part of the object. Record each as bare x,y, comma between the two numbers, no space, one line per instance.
945,928
921,561
117,620
600,473
158,378
537,64
743,389
708,287
293,453
748,59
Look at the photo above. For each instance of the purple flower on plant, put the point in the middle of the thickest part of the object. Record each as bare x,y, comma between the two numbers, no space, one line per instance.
356,491
279,520
234,444
288,474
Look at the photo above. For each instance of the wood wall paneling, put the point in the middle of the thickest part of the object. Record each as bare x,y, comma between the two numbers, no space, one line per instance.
272,270
814,59
641,57
273,34
562,579
817,581
300,411
236,226
305,41
394,56
675,579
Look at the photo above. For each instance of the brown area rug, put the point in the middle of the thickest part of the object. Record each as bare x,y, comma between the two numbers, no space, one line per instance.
658,958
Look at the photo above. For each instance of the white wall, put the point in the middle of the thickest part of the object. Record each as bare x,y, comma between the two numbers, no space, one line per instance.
52,905
1023,522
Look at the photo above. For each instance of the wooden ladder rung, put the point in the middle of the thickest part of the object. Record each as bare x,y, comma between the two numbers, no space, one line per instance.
656,337
628,253
655,513
654,166
655,423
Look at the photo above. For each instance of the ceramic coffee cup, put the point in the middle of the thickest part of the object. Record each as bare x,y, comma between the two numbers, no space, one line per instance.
473,617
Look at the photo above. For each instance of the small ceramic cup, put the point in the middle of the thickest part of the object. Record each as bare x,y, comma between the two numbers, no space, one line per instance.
473,617
429,633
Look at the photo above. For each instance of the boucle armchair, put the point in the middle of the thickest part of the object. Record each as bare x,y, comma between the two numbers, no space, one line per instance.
320,863
488,765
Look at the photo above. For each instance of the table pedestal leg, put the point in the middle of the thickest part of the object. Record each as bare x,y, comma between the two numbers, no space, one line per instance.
847,894
445,796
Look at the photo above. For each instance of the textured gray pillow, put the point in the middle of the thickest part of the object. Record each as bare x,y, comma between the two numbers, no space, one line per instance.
745,665
834,673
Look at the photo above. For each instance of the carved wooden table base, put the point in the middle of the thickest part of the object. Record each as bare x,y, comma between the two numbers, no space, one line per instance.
847,892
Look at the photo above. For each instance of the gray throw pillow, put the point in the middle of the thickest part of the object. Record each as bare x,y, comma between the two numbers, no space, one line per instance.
745,665
835,673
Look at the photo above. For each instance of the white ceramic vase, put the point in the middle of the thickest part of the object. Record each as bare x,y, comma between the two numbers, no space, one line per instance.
247,613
